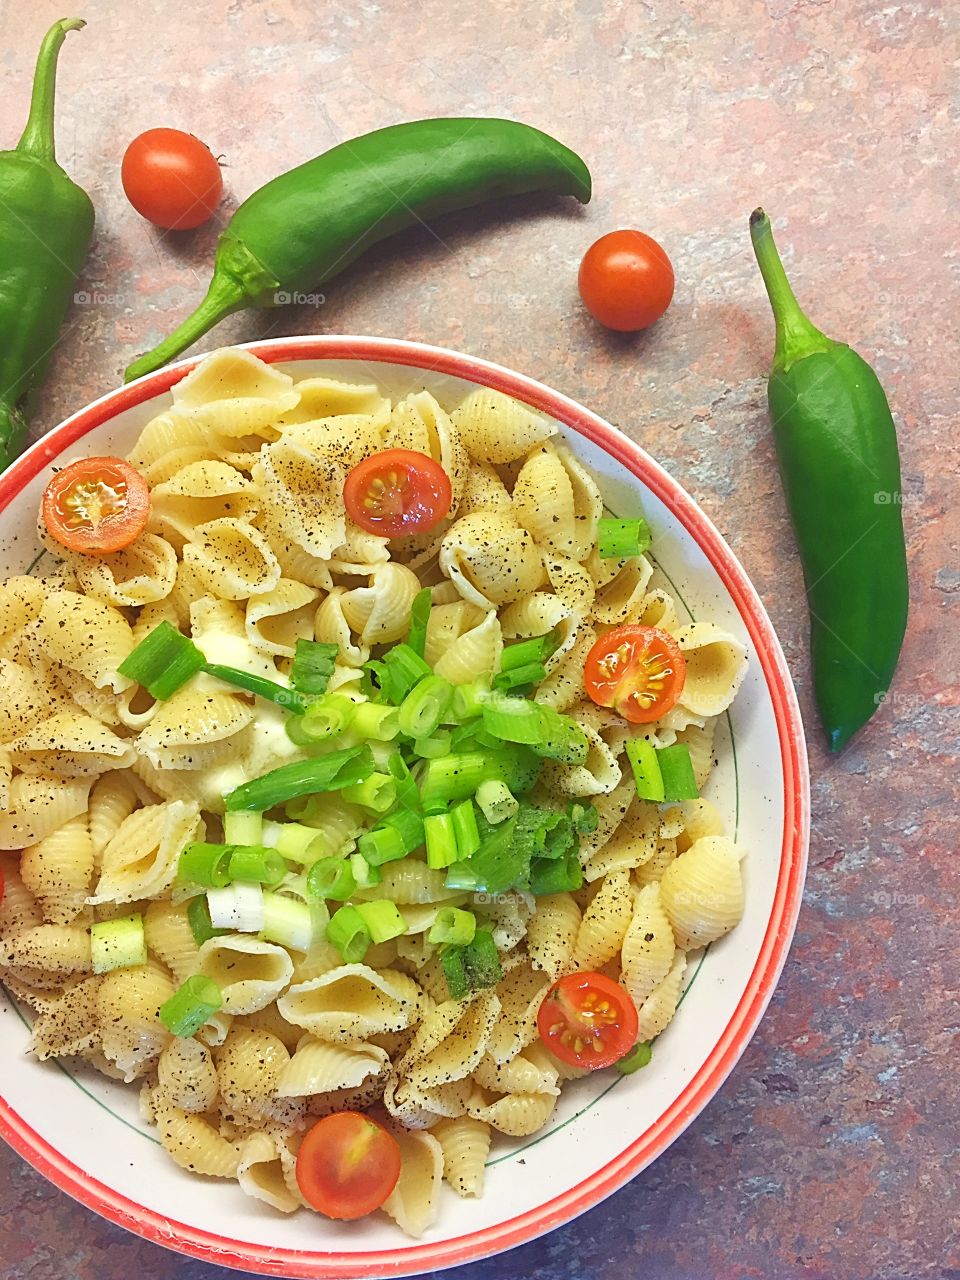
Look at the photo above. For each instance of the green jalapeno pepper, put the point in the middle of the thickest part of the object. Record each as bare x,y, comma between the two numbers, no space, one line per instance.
837,449
306,226
46,222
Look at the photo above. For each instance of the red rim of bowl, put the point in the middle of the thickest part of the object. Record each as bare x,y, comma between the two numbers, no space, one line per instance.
779,932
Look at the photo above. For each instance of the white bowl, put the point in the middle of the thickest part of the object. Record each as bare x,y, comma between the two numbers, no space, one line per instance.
84,1132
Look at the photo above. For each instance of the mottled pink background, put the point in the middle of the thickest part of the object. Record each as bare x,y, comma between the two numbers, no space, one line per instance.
832,1150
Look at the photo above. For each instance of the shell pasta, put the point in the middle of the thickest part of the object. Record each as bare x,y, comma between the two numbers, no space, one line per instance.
337,846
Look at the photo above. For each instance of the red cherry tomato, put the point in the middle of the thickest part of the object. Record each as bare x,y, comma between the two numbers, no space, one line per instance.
96,505
587,1020
637,670
347,1165
397,492
626,280
171,178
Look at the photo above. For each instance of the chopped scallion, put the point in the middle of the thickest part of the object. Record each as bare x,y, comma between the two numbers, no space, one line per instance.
440,839
327,717
468,700
118,943
556,875
382,919
452,777
496,801
238,906
525,652
467,835
191,1005
519,677
453,926
243,828
512,719
425,706
365,874
207,865
290,699
287,922
348,932
163,661
332,878
377,793
313,663
639,1056
257,864
645,764
392,838
676,770
331,772
419,617
198,917
376,721
621,539
436,745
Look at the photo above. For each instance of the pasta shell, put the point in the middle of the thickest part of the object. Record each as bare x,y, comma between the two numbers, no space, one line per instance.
331,398
38,805
186,1075
128,1009
380,612
19,909
484,491
448,621
23,702
465,1143
520,994
419,423
558,502
473,654
232,559
249,1066
193,728
59,869
276,620
699,742
604,922
702,891
61,949
89,638
491,560
351,1003
496,428
413,1204
305,492
599,773
320,1067
141,859
198,494
552,933
68,1025
250,974
331,627
193,1143
571,582
70,745
459,1050
517,1114
170,938
648,946
260,1173
623,595
716,665
408,881
234,393
21,601
660,1006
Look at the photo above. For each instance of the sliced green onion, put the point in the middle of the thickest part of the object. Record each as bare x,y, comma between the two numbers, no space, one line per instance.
419,617
287,922
452,777
304,777
436,745
496,801
243,828
425,706
331,878
289,699
374,720
365,874
163,661
556,875
645,764
207,865
462,877
325,718
621,539
382,919
639,1056
676,770
238,906
524,652
468,700
516,765
257,864
292,840
585,817
198,917
454,926
512,719
408,794
440,839
455,972
377,793
563,739
191,1005
313,663
348,932
467,835
520,677
118,943
392,837
405,668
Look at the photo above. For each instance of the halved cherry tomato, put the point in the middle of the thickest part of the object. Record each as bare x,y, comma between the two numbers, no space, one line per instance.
96,505
347,1165
397,492
172,179
637,670
626,280
587,1020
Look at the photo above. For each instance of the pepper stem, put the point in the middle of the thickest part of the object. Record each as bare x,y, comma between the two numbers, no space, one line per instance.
225,295
796,335
37,139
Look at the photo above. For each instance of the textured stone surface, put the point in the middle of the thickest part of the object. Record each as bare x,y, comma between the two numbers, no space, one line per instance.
832,1150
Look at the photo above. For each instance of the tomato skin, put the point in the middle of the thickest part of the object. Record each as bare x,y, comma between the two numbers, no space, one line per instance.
172,179
593,1010
626,280
67,499
397,492
347,1165
633,665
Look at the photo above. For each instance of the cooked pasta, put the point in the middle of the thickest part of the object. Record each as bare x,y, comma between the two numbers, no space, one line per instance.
251,1007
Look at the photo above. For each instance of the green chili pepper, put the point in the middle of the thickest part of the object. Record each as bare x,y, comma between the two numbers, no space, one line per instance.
837,448
306,226
46,222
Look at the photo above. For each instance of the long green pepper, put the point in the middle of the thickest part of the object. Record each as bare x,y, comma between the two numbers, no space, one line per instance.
306,226
46,223
837,448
